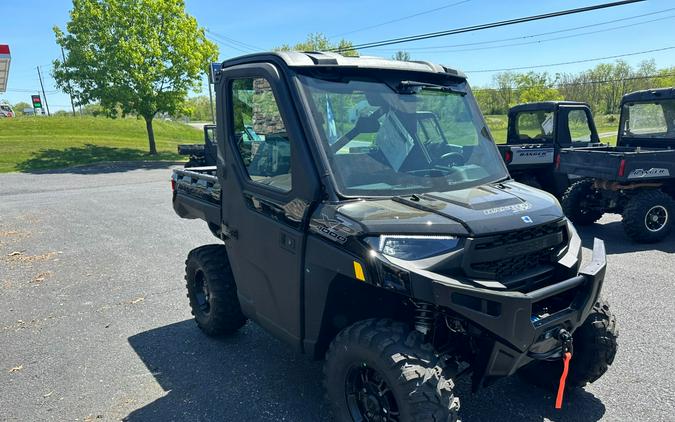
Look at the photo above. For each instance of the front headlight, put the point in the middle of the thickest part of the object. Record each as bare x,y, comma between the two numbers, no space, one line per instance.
412,248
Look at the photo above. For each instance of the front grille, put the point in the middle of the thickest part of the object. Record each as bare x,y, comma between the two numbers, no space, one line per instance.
518,258
514,266
520,236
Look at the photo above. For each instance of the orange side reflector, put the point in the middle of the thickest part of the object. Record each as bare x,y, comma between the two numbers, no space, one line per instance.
358,272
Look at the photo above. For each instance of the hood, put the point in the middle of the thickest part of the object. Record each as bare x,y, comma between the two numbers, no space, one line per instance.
483,210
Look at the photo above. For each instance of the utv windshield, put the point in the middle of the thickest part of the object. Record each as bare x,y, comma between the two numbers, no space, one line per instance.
402,138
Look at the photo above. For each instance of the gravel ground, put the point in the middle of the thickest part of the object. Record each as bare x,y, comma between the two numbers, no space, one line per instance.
94,323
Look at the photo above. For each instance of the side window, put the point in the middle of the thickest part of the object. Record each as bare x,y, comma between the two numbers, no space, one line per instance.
580,129
534,125
260,133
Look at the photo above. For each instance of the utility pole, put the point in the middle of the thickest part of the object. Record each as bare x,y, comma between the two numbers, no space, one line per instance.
210,78
43,90
70,93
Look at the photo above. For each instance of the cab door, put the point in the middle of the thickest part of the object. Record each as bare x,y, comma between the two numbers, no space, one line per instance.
576,127
268,183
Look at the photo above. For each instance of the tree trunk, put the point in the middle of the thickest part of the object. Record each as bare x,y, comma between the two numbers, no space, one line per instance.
151,136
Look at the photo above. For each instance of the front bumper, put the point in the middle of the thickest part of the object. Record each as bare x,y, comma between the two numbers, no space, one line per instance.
518,327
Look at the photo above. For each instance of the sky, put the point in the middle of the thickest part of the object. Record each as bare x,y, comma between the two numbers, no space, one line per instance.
241,27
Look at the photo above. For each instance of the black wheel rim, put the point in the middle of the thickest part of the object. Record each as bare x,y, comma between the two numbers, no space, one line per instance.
202,294
369,397
656,218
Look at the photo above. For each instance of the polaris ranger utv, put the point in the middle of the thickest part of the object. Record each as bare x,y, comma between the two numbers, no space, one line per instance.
201,154
637,177
354,231
537,132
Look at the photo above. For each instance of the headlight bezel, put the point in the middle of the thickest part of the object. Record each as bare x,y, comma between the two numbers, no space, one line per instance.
413,247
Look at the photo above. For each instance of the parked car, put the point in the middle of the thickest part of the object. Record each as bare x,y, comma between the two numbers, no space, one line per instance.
6,110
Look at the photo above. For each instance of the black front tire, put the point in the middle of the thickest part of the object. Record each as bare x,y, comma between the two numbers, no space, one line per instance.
212,291
648,216
595,347
579,203
380,366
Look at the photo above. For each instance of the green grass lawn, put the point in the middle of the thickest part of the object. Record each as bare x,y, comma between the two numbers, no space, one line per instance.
37,143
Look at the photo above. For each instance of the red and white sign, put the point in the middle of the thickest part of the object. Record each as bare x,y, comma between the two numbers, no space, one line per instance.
4,66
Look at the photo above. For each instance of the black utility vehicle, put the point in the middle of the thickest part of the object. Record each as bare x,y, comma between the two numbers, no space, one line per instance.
537,132
201,154
395,245
637,177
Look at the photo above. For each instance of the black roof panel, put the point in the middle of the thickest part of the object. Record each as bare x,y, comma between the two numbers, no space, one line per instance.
299,59
649,95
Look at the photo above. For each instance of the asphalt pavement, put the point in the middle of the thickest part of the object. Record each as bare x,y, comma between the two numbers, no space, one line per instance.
95,325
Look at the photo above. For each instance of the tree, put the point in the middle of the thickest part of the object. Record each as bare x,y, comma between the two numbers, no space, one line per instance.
18,107
199,108
93,109
320,42
533,87
132,57
401,55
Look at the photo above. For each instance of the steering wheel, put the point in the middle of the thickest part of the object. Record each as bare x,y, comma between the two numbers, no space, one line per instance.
452,159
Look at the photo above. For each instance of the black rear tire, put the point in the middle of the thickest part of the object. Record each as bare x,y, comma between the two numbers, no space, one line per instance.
212,291
648,216
380,366
577,203
595,346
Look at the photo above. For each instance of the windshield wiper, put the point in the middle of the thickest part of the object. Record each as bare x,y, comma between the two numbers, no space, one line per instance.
414,87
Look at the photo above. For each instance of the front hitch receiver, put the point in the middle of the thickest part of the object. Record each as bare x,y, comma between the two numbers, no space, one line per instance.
565,339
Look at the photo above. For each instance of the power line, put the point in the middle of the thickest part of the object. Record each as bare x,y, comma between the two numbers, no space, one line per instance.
485,26
232,41
228,45
438,47
555,38
400,19
571,62
26,90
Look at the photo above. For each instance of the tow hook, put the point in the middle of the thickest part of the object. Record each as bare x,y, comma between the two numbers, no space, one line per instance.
566,339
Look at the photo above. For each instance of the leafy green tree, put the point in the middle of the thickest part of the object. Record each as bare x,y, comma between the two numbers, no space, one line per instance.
320,42
18,107
401,55
532,87
132,57
93,109
198,108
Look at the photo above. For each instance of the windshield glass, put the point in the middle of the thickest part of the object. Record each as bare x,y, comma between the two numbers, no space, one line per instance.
649,120
386,139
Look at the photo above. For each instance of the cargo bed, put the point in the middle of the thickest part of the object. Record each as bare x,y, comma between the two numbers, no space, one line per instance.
618,164
196,194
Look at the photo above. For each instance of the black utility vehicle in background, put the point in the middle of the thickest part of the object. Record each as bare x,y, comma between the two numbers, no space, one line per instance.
201,154
637,177
535,135
372,222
